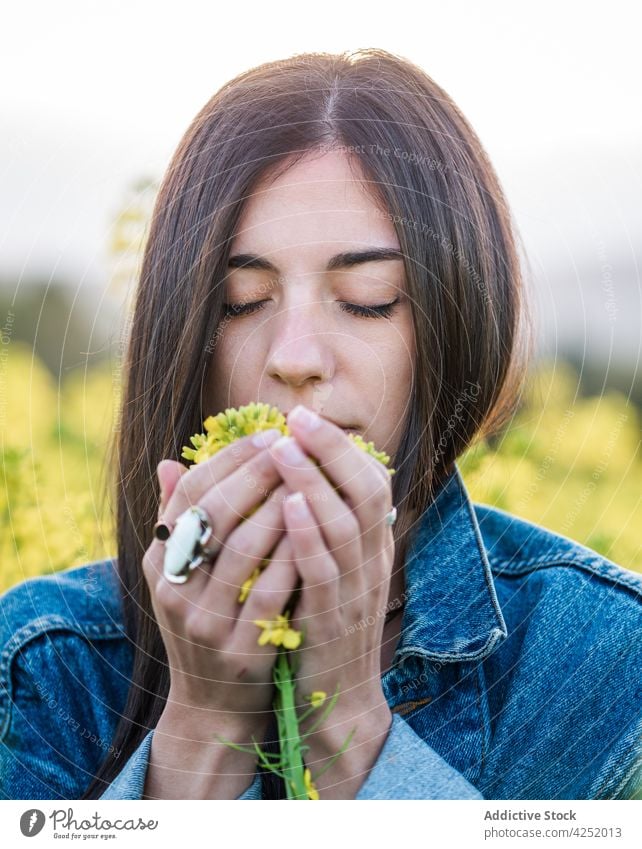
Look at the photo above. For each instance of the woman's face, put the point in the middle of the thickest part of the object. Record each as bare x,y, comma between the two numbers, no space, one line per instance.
292,339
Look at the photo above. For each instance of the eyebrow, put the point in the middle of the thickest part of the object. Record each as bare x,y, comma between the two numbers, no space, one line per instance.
343,260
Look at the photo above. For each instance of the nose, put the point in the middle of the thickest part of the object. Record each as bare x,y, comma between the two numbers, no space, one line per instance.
301,345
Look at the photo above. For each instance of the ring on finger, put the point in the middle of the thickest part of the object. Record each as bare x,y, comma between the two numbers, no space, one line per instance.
190,544
162,531
391,517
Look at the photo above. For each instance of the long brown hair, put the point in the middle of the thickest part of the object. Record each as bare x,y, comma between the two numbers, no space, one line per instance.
427,170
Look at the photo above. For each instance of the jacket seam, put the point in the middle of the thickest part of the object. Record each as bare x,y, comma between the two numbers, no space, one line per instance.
616,793
488,572
502,568
606,790
482,697
495,636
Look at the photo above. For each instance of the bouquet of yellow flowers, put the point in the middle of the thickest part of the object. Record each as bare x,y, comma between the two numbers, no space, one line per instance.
221,430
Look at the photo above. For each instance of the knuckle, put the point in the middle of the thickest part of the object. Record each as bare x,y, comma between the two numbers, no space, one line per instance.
167,597
381,496
241,544
262,468
325,574
262,603
346,527
197,629
379,469
226,660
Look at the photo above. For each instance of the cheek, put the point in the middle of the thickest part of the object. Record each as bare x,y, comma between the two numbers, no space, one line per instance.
397,359
396,400
232,372
408,342
240,346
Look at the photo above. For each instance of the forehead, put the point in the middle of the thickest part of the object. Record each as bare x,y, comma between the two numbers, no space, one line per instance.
319,200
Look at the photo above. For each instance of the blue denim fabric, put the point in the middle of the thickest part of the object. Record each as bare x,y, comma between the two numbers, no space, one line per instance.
517,674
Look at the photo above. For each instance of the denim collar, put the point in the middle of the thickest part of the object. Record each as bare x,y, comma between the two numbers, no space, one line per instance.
451,610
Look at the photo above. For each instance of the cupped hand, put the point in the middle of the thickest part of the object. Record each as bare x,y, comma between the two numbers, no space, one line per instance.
344,552
216,664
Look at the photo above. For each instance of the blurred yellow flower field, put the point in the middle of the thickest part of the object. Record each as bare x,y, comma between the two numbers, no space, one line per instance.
53,511
568,463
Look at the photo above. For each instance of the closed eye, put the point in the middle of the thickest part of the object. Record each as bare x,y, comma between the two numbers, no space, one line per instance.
377,311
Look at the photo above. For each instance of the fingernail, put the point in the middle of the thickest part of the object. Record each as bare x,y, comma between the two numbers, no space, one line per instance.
297,502
161,485
159,473
287,449
304,417
265,438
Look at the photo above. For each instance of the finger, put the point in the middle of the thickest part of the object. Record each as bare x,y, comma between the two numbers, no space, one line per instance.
239,495
358,476
211,592
244,551
169,473
339,525
267,599
317,435
211,472
319,607
228,500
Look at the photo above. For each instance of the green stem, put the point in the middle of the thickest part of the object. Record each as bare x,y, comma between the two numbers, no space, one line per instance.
289,734
255,750
250,750
289,764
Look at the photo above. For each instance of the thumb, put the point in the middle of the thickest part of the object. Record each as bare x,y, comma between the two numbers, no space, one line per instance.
169,473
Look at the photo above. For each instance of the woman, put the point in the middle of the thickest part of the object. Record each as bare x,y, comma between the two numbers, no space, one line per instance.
329,238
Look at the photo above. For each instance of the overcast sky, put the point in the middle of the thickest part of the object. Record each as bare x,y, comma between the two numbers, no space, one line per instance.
95,95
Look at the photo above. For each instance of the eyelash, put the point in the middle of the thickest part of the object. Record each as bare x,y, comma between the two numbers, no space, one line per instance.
378,311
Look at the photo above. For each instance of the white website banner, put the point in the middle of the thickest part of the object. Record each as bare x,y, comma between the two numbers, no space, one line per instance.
335,824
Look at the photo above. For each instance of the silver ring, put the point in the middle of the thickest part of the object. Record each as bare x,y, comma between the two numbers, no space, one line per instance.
186,548
391,517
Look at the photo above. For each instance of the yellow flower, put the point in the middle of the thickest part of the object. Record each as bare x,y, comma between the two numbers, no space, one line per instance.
369,448
317,698
313,793
247,585
234,423
227,427
278,632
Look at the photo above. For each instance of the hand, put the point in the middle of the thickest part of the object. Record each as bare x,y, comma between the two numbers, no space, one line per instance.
218,671
344,552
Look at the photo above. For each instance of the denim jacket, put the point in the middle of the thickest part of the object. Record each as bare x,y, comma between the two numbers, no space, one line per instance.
516,676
